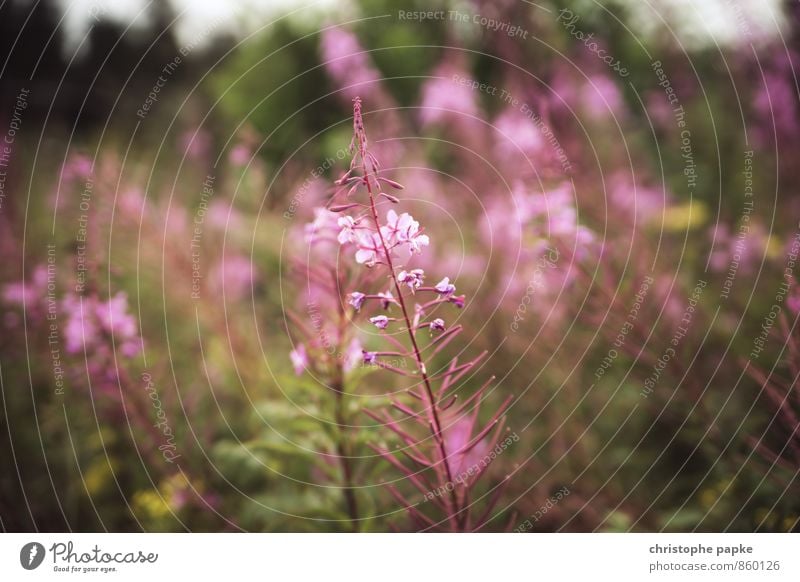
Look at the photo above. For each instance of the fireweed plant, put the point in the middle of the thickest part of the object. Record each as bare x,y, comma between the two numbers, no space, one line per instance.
442,451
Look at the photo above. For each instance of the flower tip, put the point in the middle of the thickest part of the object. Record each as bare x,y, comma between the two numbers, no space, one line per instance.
343,207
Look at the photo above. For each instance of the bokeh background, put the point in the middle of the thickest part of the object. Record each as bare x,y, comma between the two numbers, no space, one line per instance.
611,184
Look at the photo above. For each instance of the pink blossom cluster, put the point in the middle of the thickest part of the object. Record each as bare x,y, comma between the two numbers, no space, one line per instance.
93,326
385,243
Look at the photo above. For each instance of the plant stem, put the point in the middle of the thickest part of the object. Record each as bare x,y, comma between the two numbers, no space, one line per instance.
342,451
342,442
434,416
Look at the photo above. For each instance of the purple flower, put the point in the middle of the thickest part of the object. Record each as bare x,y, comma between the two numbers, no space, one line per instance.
379,321
78,166
416,243
239,155
89,322
299,359
403,229
793,299
386,299
114,317
437,324
445,287
457,300
793,303
369,248
356,299
412,278
235,275
443,99
348,233
27,293
369,357
80,328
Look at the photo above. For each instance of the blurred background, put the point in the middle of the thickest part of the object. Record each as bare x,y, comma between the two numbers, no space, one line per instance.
612,185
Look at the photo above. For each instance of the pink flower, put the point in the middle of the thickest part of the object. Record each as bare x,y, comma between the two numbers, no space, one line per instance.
223,216
518,135
235,275
601,97
379,321
76,166
793,298
348,233
437,324
413,279
404,229
457,437
27,293
444,99
445,288
369,248
793,303
239,155
81,329
347,63
369,357
356,299
90,323
114,317
299,359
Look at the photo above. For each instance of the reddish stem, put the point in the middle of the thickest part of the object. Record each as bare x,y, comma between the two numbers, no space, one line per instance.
435,421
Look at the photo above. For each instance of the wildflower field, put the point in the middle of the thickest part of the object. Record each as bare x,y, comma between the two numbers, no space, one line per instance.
373,267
